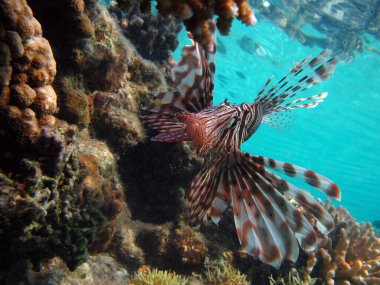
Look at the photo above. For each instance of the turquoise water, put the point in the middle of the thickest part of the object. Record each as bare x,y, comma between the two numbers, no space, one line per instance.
340,138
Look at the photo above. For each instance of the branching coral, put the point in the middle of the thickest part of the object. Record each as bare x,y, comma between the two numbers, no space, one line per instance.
351,255
197,14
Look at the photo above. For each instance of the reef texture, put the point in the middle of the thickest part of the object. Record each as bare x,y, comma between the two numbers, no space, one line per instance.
351,253
60,193
153,36
341,26
196,15
66,197
101,270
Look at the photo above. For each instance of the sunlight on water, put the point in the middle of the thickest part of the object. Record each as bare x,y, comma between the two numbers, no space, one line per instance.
339,139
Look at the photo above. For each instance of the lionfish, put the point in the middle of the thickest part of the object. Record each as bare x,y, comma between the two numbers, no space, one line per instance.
272,216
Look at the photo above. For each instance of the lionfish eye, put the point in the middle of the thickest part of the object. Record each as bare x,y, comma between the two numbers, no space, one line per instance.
233,121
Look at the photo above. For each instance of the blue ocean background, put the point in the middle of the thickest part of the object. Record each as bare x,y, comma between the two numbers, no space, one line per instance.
339,139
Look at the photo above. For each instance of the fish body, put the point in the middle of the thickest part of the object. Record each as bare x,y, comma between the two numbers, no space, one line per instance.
222,129
268,225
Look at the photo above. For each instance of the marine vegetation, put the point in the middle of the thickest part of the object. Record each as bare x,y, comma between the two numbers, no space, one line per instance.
224,275
268,225
147,276
293,279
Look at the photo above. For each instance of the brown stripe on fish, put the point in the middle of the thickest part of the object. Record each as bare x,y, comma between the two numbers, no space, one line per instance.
272,163
311,178
271,254
289,169
333,191
309,241
297,218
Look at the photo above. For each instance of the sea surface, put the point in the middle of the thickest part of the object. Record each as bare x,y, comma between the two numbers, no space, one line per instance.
339,139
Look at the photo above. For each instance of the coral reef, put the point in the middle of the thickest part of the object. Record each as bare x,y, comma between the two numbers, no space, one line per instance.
62,206
154,36
115,118
100,269
66,196
196,15
60,194
187,249
27,68
292,280
350,255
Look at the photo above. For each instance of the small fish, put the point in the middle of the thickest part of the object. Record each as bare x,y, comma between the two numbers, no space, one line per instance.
240,74
222,78
221,47
232,94
268,225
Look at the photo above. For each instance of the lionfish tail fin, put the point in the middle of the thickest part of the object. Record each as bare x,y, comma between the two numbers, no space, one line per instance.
268,225
309,72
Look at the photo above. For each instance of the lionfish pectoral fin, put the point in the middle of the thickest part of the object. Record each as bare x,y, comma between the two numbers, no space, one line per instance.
208,188
280,121
267,224
280,214
308,176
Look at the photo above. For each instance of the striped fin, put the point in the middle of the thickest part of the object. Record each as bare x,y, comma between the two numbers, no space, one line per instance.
294,216
194,74
260,224
172,136
268,225
162,117
308,176
193,77
304,199
301,77
205,186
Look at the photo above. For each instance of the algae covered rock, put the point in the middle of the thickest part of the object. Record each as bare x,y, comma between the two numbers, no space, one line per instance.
101,269
58,207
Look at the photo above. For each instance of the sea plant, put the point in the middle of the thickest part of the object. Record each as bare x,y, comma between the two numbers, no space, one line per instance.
224,275
157,277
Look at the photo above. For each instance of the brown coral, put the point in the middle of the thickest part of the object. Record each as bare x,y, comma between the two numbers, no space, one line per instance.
27,68
351,255
188,249
197,14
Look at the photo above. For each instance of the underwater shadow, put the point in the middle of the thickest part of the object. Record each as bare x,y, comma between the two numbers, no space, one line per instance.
155,176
